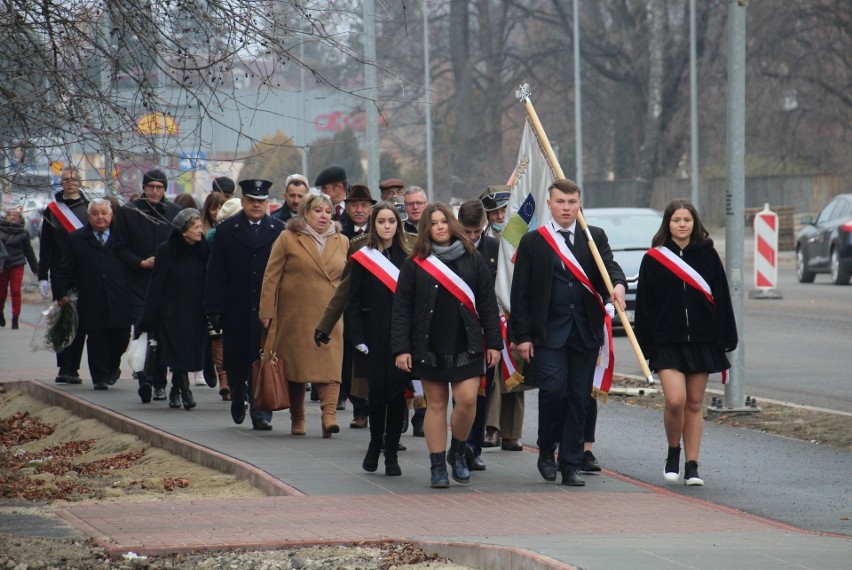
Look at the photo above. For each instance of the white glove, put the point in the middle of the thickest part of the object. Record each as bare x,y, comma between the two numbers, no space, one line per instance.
44,288
362,348
610,310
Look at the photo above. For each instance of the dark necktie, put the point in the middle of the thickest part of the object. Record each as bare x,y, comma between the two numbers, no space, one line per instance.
101,238
359,231
338,211
566,235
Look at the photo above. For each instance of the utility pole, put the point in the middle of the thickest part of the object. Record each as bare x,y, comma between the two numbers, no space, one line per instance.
303,111
578,116
373,170
695,197
735,198
427,82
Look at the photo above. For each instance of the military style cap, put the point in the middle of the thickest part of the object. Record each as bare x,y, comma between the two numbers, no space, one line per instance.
256,188
495,197
329,175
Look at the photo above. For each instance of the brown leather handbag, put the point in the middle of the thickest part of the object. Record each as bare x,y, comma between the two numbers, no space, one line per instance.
270,389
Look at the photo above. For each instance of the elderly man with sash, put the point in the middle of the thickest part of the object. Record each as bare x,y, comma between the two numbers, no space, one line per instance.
558,324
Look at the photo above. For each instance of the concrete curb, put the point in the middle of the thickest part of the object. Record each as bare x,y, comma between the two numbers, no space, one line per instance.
173,444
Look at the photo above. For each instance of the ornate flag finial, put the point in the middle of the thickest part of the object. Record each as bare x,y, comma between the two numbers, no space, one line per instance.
523,93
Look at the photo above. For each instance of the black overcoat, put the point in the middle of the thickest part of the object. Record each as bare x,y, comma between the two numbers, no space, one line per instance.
414,308
489,248
142,227
532,281
368,318
174,307
53,239
99,278
234,282
668,311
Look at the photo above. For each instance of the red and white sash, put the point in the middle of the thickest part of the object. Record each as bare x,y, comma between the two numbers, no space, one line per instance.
606,359
449,279
65,216
509,367
682,269
378,265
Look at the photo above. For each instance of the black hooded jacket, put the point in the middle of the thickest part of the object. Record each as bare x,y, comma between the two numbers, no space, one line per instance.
668,311
16,239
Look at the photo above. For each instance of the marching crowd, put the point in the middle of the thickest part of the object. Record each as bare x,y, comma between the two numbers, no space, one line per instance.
389,308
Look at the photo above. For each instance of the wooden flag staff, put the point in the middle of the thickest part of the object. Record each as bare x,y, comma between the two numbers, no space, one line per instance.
523,95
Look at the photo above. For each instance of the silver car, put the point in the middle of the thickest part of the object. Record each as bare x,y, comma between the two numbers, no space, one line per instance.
629,231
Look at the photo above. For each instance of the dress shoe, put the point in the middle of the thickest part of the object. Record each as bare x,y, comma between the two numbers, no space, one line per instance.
572,478
261,425
492,437
238,410
145,391
360,422
478,464
159,394
61,379
341,405
399,447
101,386
15,325
590,462
174,398
74,379
114,378
511,445
547,468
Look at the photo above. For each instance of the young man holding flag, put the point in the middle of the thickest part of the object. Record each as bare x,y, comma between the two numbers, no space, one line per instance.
558,324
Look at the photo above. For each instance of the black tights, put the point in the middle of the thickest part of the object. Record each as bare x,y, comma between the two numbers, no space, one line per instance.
386,419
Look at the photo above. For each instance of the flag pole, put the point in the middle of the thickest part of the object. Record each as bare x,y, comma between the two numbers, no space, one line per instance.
523,95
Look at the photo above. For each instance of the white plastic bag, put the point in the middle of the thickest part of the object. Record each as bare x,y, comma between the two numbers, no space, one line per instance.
136,351
57,327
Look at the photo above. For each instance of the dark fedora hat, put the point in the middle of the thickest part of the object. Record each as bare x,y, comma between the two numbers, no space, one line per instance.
359,193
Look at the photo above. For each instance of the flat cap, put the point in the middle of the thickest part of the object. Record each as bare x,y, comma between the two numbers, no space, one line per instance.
391,183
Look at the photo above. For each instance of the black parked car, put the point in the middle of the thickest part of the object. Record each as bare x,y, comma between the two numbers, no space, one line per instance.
629,231
824,245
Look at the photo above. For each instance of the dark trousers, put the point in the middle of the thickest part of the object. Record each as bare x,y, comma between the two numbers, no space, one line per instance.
477,431
69,359
104,348
158,378
386,421
591,421
239,381
565,377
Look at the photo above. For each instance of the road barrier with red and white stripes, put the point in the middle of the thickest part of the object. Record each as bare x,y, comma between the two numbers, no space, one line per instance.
765,255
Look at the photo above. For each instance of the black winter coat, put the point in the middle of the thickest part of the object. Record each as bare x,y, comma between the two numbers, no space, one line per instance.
174,307
234,282
54,238
368,318
142,227
16,239
489,248
99,278
414,304
532,281
668,311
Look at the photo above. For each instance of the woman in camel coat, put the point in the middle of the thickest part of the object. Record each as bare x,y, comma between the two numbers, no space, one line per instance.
304,269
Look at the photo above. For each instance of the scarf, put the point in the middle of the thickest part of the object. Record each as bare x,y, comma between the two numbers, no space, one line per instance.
320,238
450,252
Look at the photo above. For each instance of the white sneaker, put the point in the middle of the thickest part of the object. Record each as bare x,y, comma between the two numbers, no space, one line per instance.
671,477
198,379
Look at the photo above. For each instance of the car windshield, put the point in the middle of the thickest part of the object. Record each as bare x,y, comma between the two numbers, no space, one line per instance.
626,230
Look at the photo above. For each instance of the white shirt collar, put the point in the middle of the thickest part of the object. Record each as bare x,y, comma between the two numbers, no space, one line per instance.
572,228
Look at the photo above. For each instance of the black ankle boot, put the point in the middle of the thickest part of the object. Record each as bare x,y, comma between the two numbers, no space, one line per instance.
2,319
440,479
457,461
371,460
185,392
174,396
15,323
392,468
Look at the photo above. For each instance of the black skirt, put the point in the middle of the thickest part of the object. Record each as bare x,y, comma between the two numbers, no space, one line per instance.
690,358
449,368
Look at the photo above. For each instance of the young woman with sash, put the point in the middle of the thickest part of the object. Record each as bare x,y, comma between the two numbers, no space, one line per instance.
685,325
445,329
372,283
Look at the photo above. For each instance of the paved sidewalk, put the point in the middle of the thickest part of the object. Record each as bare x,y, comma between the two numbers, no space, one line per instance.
506,518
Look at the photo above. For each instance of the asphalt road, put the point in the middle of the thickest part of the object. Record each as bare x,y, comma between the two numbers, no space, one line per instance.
797,349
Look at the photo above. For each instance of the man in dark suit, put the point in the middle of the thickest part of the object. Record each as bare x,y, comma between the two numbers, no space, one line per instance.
332,181
359,206
143,225
91,267
295,189
559,324
232,295
473,220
